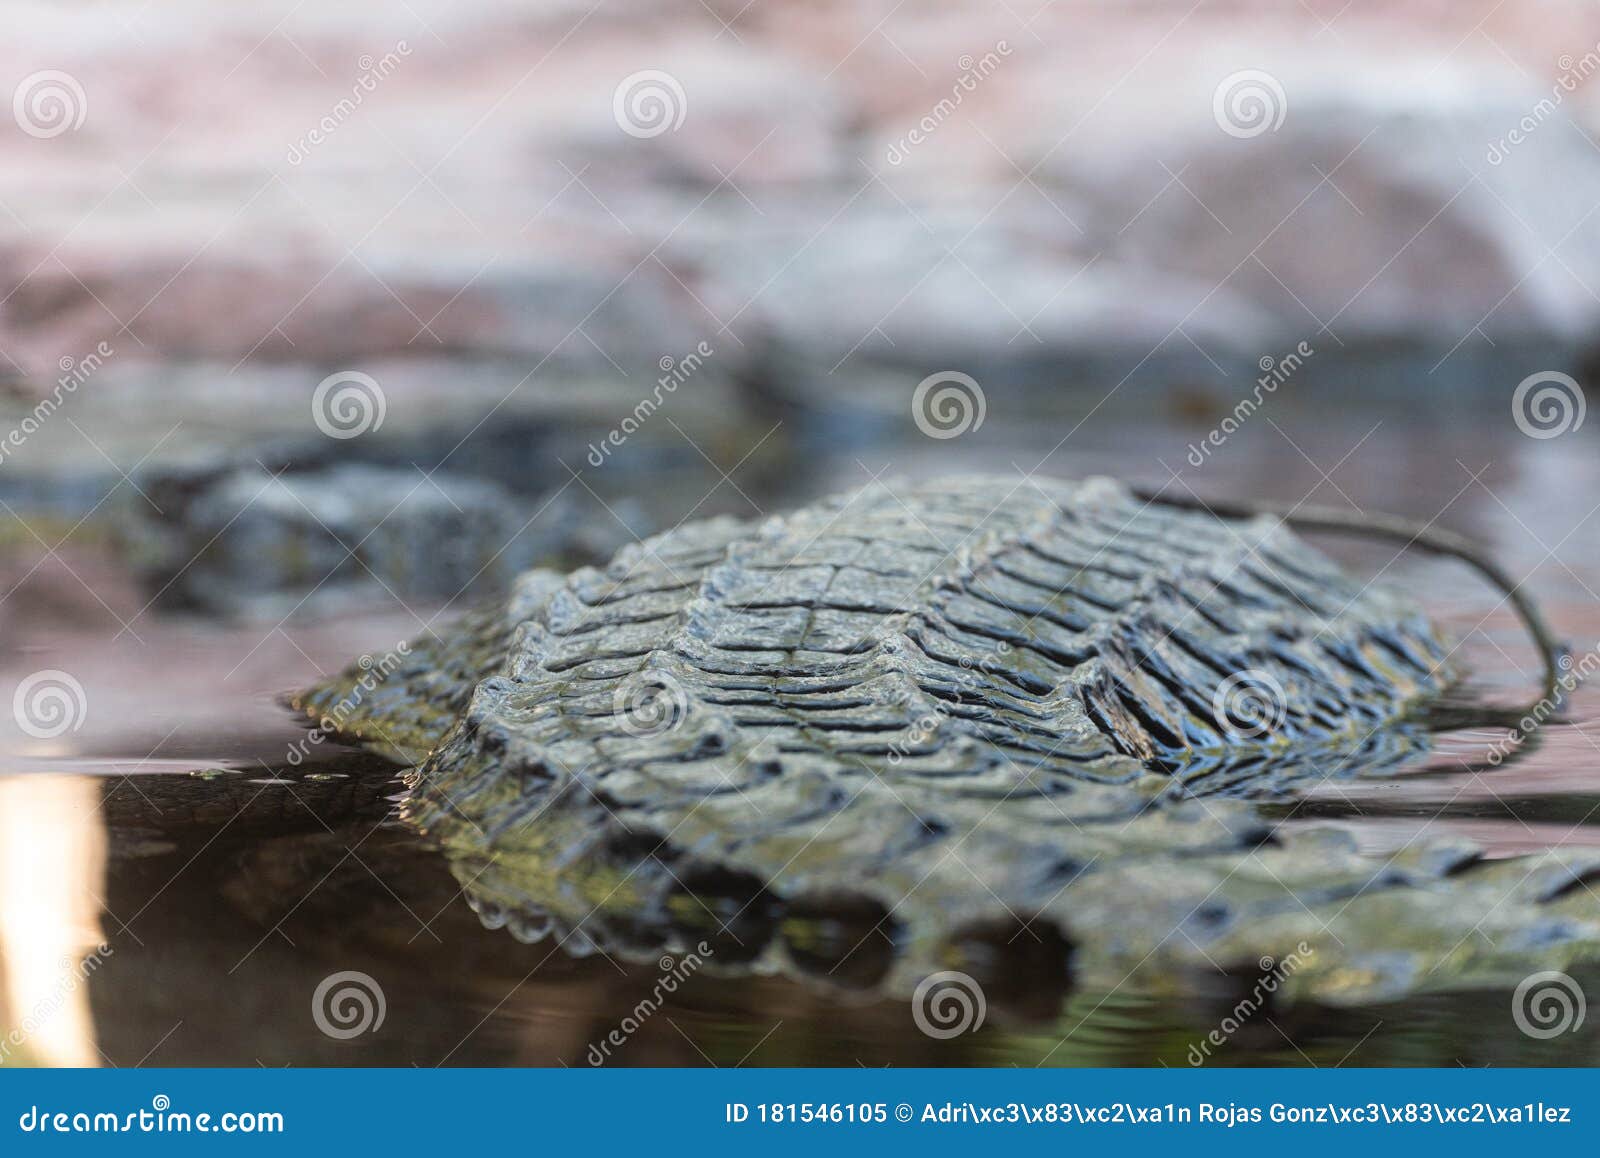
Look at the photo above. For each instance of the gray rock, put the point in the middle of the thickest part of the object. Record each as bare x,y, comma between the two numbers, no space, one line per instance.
244,541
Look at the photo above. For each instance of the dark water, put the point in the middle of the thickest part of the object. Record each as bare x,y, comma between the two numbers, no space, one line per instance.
227,885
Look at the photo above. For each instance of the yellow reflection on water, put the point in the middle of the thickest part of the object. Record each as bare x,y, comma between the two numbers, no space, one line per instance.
52,869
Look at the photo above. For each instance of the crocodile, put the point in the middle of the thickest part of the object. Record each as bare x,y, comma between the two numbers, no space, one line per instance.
937,724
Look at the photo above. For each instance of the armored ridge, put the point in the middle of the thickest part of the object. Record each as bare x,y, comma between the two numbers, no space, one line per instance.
845,739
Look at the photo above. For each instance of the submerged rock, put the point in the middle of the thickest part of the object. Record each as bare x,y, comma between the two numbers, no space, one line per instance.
246,540
919,724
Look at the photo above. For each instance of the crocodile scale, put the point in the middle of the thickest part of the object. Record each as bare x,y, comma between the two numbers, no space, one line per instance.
927,711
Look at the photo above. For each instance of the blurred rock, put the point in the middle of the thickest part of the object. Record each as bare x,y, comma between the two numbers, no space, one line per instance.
1374,216
248,543
1047,199
888,293
491,419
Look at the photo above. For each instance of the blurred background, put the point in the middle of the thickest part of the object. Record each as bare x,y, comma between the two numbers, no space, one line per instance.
319,322
500,227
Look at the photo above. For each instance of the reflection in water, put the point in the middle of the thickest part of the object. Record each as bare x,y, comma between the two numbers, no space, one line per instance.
52,868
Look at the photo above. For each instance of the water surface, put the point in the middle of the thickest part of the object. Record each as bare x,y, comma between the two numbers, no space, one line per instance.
227,882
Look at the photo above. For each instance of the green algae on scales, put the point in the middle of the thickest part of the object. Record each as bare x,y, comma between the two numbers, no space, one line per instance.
919,724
